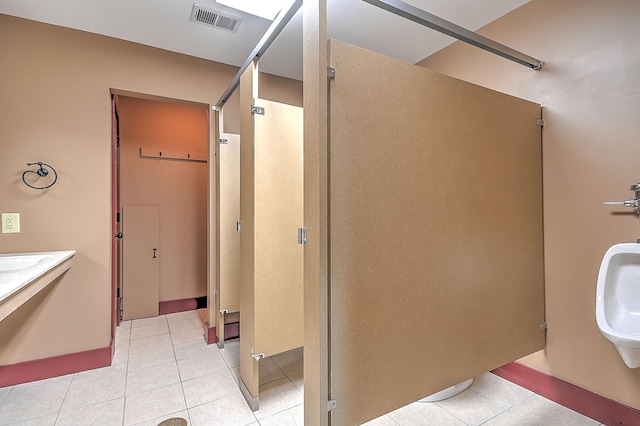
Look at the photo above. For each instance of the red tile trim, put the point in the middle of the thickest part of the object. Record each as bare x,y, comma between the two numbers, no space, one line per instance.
210,334
231,331
46,368
173,306
590,404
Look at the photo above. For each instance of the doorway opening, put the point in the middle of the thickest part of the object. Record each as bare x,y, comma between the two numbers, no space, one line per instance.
160,195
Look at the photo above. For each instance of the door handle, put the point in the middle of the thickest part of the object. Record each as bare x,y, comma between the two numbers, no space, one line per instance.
154,253
119,235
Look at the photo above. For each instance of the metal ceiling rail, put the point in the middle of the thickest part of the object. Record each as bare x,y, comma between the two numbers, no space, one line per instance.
434,22
276,27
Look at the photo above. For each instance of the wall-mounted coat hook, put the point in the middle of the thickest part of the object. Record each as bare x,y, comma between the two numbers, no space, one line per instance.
42,171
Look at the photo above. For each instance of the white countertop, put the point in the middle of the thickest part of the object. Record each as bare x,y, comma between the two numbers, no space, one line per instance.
19,270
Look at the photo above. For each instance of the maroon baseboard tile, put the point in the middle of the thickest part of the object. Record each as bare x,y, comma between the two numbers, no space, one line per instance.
46,368
232,330
210,334
592,405
174,306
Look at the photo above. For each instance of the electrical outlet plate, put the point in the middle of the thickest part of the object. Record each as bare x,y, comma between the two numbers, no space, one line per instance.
10,223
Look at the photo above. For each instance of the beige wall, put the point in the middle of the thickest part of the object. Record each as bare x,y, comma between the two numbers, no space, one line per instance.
178,188
55,108
278,89
590,91
272,88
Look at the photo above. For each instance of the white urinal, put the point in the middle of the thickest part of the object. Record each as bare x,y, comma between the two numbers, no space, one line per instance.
618,300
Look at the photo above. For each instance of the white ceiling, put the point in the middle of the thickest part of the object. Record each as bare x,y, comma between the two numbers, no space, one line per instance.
165,24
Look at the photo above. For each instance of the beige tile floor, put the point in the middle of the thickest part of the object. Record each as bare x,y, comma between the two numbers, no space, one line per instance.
162,368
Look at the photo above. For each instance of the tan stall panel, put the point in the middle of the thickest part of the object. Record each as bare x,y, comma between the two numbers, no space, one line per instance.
436,265
228,200
271,260
229,216
249,373
140,262
278,215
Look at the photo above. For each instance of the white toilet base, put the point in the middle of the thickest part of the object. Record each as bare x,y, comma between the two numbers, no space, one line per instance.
448,392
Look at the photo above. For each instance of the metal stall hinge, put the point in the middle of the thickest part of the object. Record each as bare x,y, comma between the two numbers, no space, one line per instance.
302,235
331,404
540,122
238,226
257,110
223,141
543,326
331,72
255,356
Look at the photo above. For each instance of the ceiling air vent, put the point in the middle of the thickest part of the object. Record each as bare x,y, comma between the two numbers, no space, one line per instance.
215,18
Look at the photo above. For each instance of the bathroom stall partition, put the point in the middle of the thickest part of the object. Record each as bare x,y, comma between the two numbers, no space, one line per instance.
228,289
435,232
271,211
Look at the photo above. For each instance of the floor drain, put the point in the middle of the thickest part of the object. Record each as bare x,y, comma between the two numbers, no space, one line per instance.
176,421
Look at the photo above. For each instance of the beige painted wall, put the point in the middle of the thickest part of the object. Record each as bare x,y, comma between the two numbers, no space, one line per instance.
178,188
272,88
56,108
590,92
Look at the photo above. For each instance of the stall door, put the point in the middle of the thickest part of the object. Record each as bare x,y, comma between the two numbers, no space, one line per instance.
140,262
436,270
271,190
229,289
278,207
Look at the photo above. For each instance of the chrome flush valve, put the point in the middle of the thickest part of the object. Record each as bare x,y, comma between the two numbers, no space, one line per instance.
628,203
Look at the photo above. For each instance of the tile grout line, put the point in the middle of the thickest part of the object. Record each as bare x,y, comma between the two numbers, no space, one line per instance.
255,418
126,375
66,394
184,396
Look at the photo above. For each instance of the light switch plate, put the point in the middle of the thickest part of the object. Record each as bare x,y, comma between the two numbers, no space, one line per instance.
10,223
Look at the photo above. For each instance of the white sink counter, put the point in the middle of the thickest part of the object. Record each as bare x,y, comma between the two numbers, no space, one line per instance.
23,275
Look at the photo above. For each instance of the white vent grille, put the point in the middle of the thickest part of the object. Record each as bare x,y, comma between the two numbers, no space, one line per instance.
214,18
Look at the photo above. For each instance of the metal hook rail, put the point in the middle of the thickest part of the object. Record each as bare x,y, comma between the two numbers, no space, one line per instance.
42,171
